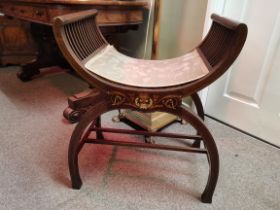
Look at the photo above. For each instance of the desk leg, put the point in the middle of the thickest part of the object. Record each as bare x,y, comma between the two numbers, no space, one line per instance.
28,71
48,53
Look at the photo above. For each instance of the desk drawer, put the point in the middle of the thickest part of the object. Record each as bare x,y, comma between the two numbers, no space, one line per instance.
40,13
37,14
21,11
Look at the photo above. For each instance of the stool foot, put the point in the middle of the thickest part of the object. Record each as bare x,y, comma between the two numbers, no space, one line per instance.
212,152
74,169
79,136
77,184
206,198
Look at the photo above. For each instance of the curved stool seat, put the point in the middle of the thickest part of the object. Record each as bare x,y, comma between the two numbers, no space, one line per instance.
146,73
123,82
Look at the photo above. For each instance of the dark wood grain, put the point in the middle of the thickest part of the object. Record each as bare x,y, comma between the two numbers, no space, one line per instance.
218,50
114,17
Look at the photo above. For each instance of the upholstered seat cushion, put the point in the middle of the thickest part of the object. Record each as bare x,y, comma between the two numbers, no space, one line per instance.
114,66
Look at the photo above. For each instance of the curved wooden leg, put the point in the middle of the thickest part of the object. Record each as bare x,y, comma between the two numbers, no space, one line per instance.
78,137
211,148
199,109
91,119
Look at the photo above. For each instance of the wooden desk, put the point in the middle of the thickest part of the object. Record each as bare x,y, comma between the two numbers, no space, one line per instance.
114,16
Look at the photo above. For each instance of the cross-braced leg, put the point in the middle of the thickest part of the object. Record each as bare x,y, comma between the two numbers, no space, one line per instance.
211,148
90,118
199,109
79,135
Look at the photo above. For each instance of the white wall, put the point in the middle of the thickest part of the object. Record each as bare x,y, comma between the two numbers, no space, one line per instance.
181,29
182,23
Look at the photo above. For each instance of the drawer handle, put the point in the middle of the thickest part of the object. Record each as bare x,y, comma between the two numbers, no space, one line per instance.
22,11
12,9
39,13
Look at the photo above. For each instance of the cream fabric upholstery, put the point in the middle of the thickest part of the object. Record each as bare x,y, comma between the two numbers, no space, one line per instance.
114,66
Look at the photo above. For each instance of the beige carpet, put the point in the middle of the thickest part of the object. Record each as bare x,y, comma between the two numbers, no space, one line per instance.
34,173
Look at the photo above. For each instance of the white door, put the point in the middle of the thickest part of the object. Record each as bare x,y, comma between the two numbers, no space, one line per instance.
248,96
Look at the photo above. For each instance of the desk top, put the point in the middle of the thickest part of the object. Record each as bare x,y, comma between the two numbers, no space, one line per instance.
110,12
130,3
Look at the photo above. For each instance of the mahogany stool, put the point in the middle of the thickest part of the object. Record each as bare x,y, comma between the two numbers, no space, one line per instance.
123,82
